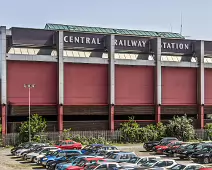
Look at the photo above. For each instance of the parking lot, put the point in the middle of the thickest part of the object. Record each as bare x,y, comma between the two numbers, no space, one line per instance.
8,162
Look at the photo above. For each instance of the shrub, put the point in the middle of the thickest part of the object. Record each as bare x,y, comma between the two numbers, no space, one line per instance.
37,126
208,128
181,128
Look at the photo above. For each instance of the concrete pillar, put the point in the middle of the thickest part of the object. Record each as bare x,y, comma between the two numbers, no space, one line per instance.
60,80
111,68
156,44
199,49
3,68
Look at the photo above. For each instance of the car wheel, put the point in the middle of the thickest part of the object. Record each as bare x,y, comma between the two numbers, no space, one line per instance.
25,157
189,156
33,159
47,164
181,157
206,160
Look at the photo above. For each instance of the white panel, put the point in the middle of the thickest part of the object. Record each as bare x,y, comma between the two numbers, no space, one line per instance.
17,50
105,55
31,51
75,54
64,53
11,51
87,54
193,60
82,54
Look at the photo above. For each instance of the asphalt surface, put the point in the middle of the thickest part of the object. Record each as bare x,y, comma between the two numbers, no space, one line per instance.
8,162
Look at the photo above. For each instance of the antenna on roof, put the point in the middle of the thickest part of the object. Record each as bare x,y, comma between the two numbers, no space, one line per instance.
171,27
181,24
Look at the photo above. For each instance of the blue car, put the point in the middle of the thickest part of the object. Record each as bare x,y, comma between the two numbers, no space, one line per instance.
64,165
90,148
57,155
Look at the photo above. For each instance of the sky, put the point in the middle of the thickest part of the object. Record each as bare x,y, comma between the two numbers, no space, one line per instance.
148,15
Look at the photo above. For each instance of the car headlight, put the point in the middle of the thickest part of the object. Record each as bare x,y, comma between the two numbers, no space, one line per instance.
200,155
185,152
44,159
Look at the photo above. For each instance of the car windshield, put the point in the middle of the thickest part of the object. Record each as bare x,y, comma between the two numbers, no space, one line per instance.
159,164
87,147
113,156
205,149
133,160
177,167
199,147
150,163
92,166
60,154
54,153
81,163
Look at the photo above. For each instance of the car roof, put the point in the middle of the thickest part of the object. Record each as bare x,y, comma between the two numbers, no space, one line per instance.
149,157
94,158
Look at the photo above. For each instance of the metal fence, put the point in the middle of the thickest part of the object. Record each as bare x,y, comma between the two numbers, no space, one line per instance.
13,138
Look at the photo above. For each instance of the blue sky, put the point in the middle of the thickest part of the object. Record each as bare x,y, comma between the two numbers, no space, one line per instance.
156,15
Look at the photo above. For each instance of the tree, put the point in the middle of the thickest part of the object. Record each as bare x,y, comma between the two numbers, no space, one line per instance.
37,125
130,130
181,128
208,129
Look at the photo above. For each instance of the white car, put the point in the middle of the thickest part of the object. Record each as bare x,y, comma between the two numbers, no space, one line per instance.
186,167
31,156
164,163
103,165
138,161
37,159
20,151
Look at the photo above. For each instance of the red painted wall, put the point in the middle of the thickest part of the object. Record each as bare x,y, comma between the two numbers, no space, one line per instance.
179,85
85,84
208,85
134,85
42,74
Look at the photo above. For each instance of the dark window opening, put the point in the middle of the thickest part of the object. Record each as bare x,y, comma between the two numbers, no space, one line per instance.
136,117
171,116
84,117
48,118
208,116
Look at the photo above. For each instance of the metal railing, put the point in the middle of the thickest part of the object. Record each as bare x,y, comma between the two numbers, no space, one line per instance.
115,137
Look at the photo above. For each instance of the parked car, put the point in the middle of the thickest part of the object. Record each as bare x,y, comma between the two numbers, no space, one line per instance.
64,165
172,148
69,158
203,156
186,167
69,144
19,152
103,166
32,156
120,157
138,161
161,147
189,150
148,146
59,153
165,163
21,146
91,148
83,163
40,156
34,149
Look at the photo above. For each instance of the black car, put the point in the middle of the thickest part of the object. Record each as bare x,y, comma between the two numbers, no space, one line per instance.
69,158
23,145
204,155
189,150
148,146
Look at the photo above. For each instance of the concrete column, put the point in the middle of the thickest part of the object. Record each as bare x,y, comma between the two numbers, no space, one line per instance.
3,68
111,68
199,49
156,44
60,80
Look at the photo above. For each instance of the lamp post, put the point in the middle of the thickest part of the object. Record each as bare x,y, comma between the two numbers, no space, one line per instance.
29,86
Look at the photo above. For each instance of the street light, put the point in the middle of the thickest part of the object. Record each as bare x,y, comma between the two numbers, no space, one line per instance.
29,86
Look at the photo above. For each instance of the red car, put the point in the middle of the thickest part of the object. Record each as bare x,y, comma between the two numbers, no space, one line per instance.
160,148
84,162
69,144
